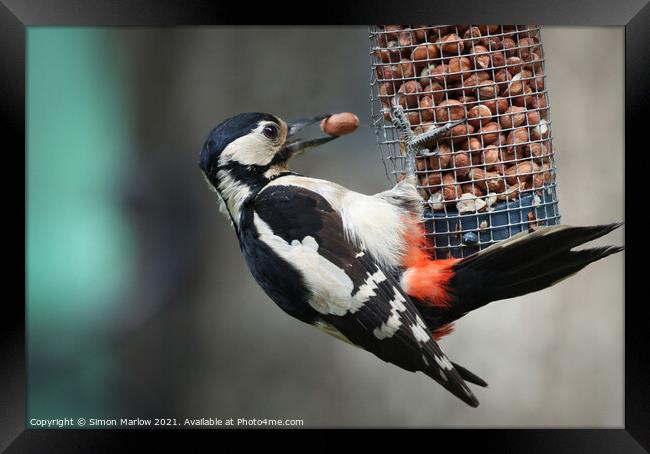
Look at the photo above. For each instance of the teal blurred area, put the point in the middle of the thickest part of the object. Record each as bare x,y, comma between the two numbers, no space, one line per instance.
79,252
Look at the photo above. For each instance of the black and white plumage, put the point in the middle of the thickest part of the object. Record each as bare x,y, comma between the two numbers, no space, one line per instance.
343,287
335,258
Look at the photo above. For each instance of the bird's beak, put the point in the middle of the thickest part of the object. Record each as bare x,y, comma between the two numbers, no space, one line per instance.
293,145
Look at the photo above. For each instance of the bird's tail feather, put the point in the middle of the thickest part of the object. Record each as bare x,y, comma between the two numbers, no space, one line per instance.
469,376
525,263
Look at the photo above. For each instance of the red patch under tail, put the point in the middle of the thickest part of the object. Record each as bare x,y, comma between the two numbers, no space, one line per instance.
425,278
442,331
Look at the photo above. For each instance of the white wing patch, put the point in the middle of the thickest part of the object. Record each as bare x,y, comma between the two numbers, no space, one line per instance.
419,333
308,242
443,362
367,290
419,330
390,327
330,287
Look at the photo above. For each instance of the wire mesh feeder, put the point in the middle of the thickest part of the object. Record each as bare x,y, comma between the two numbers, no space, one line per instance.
466,109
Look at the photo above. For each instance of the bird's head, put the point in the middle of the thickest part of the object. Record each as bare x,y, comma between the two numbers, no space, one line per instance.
245,152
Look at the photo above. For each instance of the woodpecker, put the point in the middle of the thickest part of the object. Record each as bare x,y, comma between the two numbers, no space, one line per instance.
356,266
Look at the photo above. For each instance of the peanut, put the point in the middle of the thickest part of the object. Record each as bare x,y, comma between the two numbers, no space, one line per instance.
490,77
339,124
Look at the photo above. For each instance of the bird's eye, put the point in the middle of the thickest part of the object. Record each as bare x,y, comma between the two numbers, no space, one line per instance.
270,132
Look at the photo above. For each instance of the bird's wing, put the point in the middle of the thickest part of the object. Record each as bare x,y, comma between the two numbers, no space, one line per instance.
347,287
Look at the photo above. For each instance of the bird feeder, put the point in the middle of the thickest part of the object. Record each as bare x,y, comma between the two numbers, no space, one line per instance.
474,100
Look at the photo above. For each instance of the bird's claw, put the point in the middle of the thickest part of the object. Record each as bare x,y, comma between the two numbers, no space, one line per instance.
415,143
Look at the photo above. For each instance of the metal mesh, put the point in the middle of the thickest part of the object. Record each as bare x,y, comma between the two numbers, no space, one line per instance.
493,175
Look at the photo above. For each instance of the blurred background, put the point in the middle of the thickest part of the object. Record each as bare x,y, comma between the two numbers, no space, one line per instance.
141,305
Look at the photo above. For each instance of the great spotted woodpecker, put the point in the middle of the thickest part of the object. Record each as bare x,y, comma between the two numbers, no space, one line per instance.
355,265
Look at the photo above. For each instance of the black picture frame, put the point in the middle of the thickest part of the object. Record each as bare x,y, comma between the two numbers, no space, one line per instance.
16,15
